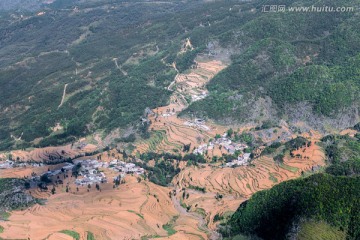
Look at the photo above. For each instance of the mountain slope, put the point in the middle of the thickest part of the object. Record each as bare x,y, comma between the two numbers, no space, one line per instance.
272,214
85,54
302,66
108,61
7,5
322,206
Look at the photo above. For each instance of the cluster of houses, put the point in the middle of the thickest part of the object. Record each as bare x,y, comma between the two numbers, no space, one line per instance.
91,178
89,172
203,148
230,146
12,164
126,168
198,123
51,173
242,160
223,141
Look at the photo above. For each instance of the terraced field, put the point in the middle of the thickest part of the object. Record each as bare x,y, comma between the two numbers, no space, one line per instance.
130,212
48,153
170,132
238,184
158,142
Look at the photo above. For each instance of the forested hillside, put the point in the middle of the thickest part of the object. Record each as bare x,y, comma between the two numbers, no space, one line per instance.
91,66
294,66
6,5
112,59
26,6
283,211
322,206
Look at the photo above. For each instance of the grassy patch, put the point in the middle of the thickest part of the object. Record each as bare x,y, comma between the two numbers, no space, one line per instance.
149,237
169,227
227,214
141,216
248,186
201,211
289,168
1,229
182,204
311,230
72,234
4,216
90,236
273,178
197,188
155,139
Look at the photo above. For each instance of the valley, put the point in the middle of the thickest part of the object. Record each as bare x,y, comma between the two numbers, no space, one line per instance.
106,213
178,120
138,208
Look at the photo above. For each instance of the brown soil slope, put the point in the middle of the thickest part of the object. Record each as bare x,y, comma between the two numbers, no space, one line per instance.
238,184
133,210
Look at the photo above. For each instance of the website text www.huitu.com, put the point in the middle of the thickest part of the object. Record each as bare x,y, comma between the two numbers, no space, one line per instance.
310,9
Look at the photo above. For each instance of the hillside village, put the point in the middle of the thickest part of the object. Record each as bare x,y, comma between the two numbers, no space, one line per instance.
87,171
230,146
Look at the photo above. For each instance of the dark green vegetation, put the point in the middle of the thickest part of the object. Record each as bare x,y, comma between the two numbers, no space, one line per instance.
138,214
271,149
72,234
13,196
322,206
90,236
308,63
169,228
278,150
271,214
4,216
343,152
18,5
297,143
197,188
103,93
99,96
116,59
165,167
357,127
